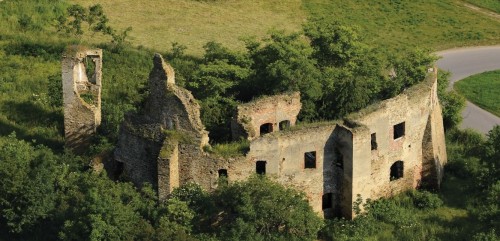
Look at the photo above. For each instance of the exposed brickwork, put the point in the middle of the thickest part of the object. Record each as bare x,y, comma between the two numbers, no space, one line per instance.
272,110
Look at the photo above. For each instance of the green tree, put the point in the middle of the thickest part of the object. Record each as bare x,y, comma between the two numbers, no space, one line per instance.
284,63
27,176
451,102
407,70
351,70
215,83
176,223
93,207
260,209
334,44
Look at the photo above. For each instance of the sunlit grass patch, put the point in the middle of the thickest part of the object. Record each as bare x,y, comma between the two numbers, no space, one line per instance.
483,90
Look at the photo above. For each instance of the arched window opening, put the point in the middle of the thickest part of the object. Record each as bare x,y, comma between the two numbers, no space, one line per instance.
284,125
397,170
266,128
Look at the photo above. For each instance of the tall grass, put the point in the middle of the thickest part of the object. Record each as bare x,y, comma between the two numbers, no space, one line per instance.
231,149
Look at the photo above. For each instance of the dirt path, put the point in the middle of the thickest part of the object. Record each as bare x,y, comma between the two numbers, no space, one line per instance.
481,10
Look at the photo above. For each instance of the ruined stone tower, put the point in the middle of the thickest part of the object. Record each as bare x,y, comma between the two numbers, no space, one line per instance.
81,76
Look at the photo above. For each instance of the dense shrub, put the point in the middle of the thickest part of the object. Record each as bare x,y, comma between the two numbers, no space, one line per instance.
426,200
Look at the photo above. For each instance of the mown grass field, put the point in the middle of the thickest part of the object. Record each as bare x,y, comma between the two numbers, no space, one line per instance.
157,24
493,5
435,24
483,90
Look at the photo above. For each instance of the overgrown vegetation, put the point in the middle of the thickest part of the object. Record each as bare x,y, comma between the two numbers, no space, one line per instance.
231,149
466,208
483,90
47,193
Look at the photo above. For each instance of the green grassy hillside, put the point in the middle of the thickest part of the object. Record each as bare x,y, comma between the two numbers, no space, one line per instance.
493,5
156,24
436,24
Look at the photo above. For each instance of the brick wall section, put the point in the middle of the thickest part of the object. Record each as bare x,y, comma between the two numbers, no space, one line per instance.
270,109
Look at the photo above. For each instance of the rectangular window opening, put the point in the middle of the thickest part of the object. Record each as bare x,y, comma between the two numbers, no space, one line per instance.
339,160
374,141
223,173
399,130
310,159
327,201
260,167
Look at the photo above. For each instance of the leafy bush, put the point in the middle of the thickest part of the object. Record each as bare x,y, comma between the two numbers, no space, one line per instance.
426,200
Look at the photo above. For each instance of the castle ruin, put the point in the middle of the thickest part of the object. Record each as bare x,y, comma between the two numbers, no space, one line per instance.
81,77
385,149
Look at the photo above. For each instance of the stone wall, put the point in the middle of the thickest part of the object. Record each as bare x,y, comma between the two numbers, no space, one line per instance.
152,144
81,76
278,112
421,148
332,162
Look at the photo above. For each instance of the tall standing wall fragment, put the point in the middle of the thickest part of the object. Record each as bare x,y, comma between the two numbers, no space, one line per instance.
81,76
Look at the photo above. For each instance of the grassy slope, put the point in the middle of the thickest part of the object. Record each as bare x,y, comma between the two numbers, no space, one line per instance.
24,76
30,75
493,5
193,23
437,24
483,90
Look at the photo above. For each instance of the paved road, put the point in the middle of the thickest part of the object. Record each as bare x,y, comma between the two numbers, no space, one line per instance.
469,61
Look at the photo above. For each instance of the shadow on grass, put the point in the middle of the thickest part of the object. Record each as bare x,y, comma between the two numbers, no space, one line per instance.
27,113
32,122
455,190
457,228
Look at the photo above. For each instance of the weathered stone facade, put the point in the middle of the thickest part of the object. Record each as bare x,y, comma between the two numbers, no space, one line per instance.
395,145
266,115
81,76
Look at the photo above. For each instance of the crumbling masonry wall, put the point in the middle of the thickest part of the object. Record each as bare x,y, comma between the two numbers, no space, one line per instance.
387,148
421,148
154,143
271,110
81,76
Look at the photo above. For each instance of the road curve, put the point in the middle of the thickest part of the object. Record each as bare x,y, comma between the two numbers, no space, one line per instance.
465,62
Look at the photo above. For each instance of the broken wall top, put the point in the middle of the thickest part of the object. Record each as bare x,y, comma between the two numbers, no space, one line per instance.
427,89
268,110
169,106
